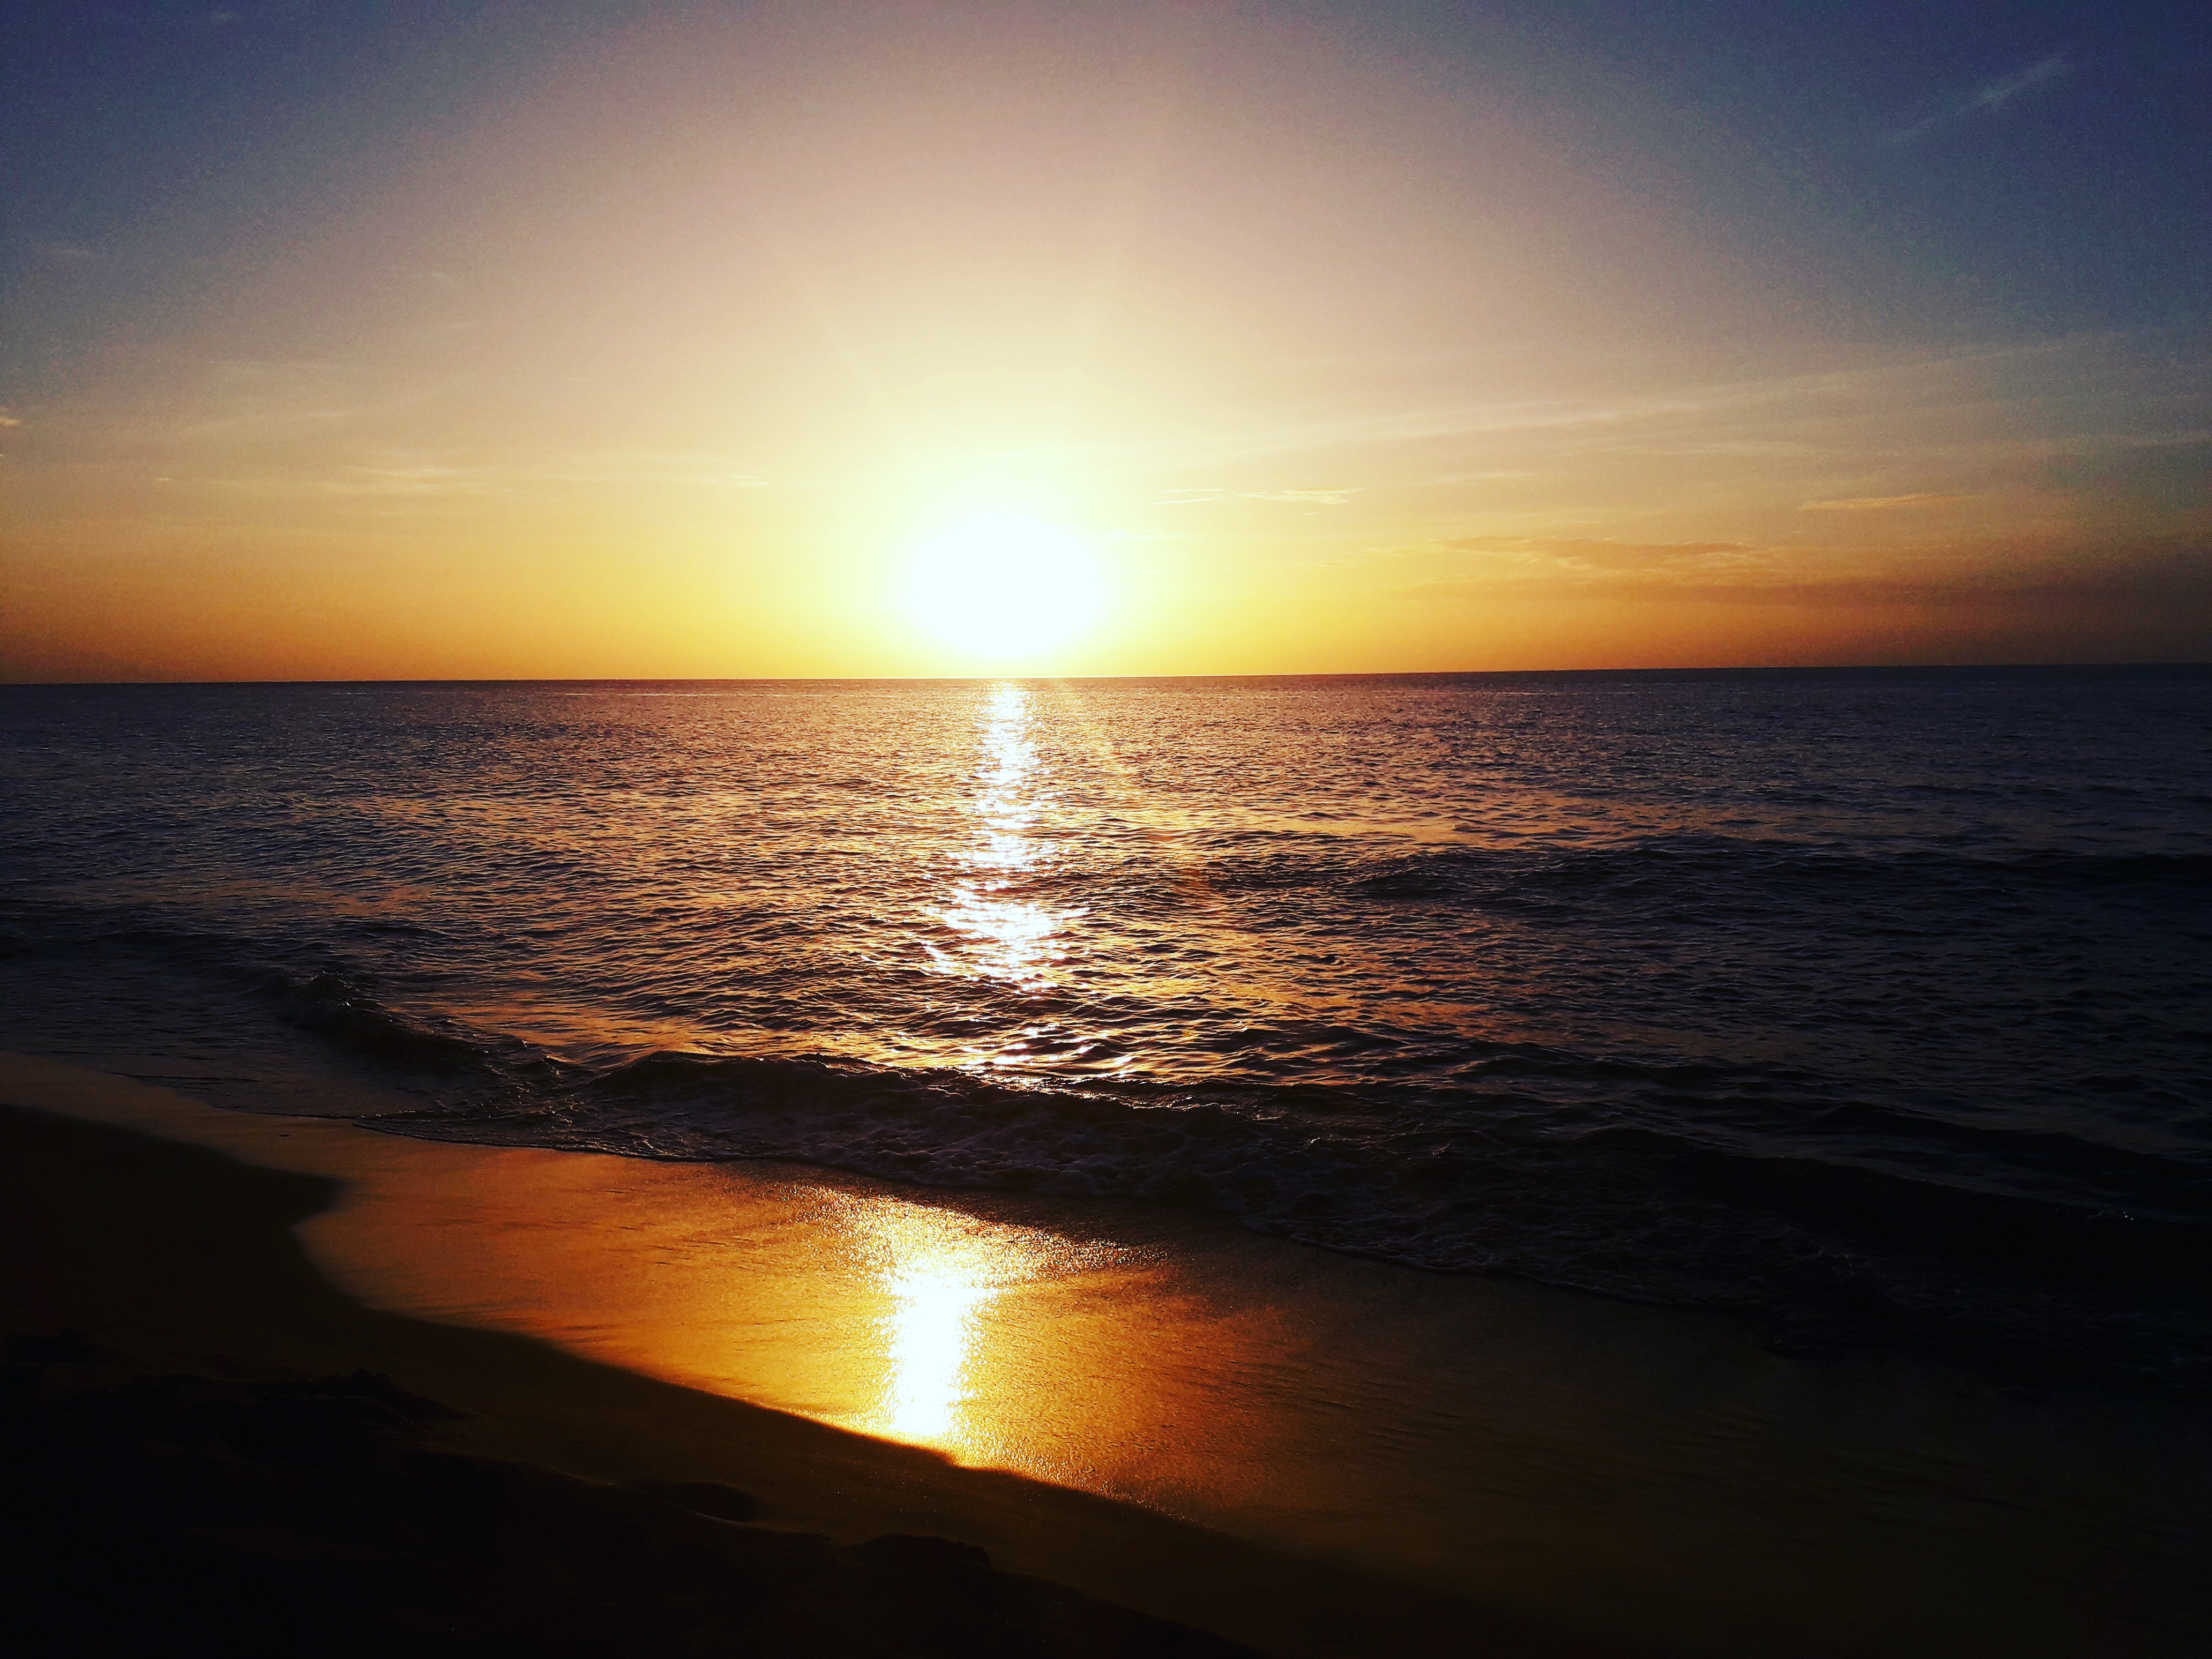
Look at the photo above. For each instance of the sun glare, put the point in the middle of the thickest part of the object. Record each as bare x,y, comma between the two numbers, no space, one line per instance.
1004,586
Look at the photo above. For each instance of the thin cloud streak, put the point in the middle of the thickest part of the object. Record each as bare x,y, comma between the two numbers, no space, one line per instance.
421,478
1990,95
1879,503
1880,385
1309,497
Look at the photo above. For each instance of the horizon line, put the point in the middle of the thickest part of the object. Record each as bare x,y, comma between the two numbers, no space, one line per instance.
1092,679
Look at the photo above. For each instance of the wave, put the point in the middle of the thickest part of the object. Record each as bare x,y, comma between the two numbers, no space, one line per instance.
341,1012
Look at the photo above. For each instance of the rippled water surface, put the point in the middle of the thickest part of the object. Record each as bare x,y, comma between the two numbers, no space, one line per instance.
1875,1003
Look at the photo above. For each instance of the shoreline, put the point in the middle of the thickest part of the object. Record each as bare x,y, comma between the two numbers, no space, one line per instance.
185,1257
1306,1453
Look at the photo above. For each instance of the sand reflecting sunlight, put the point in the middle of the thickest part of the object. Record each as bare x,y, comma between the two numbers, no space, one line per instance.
941,1272
928,1334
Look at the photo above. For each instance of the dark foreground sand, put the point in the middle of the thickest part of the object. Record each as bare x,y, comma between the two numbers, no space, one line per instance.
209,1449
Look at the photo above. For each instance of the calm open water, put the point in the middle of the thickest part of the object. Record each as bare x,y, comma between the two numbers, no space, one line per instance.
1876,1004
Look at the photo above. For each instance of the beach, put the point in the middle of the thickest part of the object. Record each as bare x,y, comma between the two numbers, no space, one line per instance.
178,1255
1301,1452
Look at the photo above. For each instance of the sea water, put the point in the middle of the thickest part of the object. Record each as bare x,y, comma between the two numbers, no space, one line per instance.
1874,1003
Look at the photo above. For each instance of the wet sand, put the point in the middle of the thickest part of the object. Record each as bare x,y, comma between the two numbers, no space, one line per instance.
1304,1452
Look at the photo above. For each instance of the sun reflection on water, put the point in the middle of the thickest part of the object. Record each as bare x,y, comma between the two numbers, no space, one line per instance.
1004,935
929,1332
941,1272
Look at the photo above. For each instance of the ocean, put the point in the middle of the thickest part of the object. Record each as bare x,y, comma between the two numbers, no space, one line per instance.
1872,1005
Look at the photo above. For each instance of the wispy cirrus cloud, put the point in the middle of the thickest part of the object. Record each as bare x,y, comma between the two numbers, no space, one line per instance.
433,476
1309,497
1879,503
1779,412
1586,555
1980,99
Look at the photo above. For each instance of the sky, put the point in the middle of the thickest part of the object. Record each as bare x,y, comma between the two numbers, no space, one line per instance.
546,340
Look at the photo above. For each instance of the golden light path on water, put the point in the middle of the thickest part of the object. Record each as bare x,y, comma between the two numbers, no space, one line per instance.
942,1276
951,1337
950,1340
1005,938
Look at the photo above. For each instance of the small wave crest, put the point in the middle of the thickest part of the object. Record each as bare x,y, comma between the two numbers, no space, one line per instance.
343,1013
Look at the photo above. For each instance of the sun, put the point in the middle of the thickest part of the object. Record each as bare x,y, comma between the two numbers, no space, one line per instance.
1000,585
